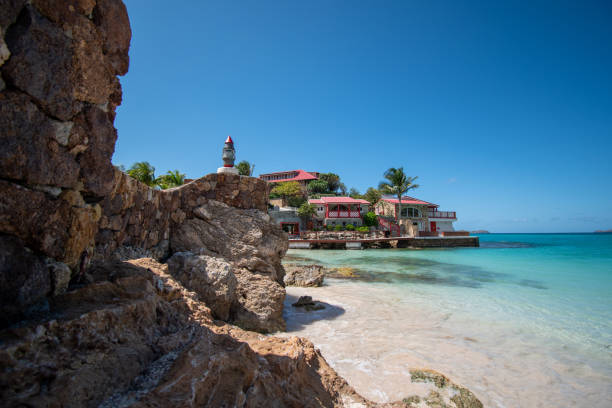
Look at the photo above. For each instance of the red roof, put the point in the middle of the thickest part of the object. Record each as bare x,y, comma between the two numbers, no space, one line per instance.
408,200
338,200
229,140
301,175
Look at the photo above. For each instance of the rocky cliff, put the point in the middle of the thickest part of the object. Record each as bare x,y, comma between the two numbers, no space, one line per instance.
114,294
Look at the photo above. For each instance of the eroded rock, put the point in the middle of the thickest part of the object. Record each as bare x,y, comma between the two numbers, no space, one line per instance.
211,278
304,275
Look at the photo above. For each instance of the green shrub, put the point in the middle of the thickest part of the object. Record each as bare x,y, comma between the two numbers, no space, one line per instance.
295,201
363,229
350,227
339,228
306,210
330,227
370,219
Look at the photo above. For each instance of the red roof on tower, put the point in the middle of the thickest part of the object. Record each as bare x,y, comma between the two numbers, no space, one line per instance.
229,140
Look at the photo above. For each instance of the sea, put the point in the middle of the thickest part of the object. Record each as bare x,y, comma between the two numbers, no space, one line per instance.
525,320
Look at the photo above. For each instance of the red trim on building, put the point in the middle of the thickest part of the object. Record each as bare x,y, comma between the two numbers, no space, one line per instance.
409,200
301,175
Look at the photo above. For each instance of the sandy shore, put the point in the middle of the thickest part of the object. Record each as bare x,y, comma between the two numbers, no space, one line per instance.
373,334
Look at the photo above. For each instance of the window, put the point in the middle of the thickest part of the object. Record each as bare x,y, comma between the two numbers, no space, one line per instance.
410,212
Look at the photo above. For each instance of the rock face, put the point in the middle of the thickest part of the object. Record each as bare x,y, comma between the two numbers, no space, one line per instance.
304,275
84,323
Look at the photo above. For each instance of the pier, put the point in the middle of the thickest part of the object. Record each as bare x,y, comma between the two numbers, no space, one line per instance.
391,242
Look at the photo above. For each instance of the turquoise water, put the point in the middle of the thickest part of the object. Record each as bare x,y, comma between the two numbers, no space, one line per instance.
551,293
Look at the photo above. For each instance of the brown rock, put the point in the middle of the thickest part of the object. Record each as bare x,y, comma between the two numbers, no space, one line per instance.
39,220
113,23
29,148
211,278
41,63
24,279
260,303
304,275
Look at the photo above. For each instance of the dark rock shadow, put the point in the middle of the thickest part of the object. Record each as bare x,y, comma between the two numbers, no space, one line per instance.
298,318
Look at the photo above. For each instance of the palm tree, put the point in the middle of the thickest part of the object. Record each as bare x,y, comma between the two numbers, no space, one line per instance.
143,172
397,183
245,168
171,179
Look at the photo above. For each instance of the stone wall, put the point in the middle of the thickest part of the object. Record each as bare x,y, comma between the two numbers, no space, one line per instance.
137,220
64,205
59,62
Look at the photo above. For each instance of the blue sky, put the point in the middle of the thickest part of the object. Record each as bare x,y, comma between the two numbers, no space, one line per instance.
502,108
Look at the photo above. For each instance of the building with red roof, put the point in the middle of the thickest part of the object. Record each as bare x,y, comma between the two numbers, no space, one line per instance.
339,210
416,216
291,175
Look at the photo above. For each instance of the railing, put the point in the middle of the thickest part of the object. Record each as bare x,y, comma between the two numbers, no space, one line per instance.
344,214
389,226
441,214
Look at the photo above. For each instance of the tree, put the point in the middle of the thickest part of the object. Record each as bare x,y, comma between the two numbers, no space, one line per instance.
372,195
245,168
317,187
342,189
332,180
397,183
354,193
170,179
290,191
143,172
295,201
287,189
370,219
306,210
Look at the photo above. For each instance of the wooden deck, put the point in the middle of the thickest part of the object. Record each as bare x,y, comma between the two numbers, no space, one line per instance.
392,242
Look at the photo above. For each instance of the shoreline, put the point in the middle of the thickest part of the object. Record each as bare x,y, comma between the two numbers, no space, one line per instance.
374,331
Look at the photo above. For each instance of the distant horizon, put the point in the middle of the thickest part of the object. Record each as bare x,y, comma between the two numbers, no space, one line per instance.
502,109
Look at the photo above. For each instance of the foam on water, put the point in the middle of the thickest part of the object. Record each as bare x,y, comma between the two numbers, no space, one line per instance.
523,321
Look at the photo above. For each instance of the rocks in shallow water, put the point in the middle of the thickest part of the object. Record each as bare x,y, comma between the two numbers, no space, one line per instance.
303,301
308,304
304,275
446,394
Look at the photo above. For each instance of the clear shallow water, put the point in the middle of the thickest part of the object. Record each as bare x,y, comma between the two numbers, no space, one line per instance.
525,320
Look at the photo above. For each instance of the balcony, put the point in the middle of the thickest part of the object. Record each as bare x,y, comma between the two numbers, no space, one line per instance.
442,214
344,214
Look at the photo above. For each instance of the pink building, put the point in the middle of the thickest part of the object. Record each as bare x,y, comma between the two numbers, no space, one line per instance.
340,210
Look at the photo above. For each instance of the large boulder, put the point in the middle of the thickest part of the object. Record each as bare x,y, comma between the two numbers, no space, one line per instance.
211,278
247,238
254,246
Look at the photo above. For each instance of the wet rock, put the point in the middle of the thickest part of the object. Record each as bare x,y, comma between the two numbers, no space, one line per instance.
308,304
304,275
447,393
303,301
